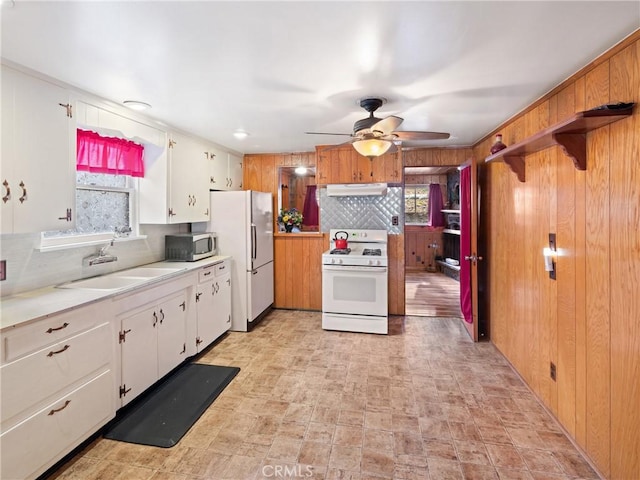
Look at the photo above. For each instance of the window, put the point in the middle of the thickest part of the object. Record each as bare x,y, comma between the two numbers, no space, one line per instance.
416,204
105,191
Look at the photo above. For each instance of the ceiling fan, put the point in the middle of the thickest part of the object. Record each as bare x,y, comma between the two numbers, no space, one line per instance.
374,136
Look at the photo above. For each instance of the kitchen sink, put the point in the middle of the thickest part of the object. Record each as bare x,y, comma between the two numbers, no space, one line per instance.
107,282
146,272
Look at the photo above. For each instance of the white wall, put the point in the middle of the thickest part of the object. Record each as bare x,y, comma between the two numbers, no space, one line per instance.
29,269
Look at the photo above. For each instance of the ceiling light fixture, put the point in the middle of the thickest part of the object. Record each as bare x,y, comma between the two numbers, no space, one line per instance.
240,134
372,147
136,105
300,170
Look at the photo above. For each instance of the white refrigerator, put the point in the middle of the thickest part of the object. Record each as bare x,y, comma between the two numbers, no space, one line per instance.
243,222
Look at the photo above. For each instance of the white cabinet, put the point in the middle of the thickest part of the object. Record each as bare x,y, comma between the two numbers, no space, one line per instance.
225,170
153,343
213,303
176,187
153,324
57,383
37,166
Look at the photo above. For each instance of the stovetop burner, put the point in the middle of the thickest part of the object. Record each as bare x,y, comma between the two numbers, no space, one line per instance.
340,251
372,251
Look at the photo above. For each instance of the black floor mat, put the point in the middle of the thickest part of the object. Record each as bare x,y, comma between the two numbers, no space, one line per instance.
167,412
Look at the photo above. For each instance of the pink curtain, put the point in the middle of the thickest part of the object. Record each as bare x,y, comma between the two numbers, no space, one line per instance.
310,209
465,244
98,154
436,217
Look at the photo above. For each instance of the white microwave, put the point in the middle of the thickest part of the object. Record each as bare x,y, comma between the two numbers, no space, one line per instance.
189,247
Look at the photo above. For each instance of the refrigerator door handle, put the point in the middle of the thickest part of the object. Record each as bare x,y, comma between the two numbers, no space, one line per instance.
254,243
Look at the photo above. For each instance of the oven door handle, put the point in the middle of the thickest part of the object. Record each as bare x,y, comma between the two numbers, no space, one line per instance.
353,268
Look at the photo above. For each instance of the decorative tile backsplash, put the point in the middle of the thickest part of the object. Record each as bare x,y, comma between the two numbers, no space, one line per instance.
366,212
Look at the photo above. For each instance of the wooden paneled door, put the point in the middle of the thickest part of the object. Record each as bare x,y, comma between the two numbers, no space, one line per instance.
470,234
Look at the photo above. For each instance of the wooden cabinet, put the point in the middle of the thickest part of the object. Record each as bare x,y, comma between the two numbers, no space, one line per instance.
176,184
38,155
153,342
345,165
225,170
57,382
213,303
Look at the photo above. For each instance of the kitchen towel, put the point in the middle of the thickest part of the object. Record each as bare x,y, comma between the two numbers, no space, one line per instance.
163,415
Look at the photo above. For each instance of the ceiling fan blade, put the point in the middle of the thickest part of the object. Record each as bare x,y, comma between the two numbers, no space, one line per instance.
327,133
421,135
332,147
387,125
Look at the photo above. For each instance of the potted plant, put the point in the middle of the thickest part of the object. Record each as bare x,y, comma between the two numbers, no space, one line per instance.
290,218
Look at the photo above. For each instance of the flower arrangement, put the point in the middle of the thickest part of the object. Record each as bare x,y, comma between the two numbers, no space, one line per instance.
291,217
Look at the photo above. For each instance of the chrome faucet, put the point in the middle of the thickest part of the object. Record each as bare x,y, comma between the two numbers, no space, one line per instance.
101,257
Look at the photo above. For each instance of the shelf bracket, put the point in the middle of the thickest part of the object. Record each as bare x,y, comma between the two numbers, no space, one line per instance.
574,146
517,165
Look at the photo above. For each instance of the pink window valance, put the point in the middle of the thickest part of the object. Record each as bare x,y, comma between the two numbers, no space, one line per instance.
98,154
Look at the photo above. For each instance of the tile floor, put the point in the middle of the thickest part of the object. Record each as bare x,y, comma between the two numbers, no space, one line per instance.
421,403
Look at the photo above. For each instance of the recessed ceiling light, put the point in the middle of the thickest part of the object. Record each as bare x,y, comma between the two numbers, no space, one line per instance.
136,105
240,134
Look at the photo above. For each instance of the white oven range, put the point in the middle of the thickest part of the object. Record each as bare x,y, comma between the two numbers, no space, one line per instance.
354,283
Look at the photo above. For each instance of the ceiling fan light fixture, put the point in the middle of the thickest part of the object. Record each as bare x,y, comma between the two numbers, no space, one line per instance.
372,147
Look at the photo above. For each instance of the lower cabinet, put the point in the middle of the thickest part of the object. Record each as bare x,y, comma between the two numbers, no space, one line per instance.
57,380
213,303
153,342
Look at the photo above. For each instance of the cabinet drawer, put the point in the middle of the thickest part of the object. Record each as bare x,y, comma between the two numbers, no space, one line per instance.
35,377
34,445
206,273
222,269
26,339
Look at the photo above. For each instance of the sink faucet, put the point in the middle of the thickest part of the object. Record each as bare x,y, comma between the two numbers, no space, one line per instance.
101,257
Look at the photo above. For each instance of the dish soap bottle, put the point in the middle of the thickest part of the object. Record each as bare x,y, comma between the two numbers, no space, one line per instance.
498,145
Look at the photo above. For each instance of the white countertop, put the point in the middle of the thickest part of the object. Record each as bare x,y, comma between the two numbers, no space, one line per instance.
41,303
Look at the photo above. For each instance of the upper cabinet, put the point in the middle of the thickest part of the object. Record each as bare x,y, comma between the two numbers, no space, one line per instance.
345,165
176,185
38,155
225,170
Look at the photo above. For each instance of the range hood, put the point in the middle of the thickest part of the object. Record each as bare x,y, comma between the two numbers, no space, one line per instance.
356,189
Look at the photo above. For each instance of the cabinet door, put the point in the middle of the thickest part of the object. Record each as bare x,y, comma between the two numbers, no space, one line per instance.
172,345
235,172
8,158
188,180
139,353
39,161
218,169
223,303
205,307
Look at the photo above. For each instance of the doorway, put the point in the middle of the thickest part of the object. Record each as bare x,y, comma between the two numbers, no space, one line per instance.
432,253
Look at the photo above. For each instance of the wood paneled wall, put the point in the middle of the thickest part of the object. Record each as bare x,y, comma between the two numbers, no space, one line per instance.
588,321
419,255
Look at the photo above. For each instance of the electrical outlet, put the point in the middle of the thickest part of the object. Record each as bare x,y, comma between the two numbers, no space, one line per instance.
3,270
395,220
552,371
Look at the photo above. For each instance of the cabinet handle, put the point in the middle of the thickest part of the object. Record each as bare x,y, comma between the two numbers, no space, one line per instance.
194,201
184,348
198,296
229,319
7,195
221,267
155,319
183,305
56,410
161,313
189,202
51,330
229,281
212,180
231,182
171,214
206,212
69,109
55,352
23,197
206,274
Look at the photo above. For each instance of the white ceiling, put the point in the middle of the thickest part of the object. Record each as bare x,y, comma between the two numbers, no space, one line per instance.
278,69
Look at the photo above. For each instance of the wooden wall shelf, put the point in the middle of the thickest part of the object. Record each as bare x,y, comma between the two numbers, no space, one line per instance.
570,134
